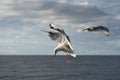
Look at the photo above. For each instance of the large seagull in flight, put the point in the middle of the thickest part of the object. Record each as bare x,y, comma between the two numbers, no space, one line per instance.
63,41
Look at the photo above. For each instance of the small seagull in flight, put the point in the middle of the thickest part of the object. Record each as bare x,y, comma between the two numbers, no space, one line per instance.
98,29
63,41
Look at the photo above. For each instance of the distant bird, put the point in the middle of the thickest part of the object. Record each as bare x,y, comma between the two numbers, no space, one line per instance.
98,29
63,41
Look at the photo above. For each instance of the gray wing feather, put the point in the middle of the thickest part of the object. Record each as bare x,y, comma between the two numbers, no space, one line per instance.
55,36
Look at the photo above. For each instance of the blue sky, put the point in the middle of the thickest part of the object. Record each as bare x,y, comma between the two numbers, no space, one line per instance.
22,20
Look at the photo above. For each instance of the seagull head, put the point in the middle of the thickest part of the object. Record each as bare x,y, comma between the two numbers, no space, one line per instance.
107,33
55,27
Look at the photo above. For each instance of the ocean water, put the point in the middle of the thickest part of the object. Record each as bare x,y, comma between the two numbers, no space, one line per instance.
55,68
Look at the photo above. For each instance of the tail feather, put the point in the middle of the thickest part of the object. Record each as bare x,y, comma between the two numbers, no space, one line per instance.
73,55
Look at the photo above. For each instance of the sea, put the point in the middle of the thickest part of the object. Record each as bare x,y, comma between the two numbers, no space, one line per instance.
47,67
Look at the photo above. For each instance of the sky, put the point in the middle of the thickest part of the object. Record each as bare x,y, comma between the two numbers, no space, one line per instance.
22,20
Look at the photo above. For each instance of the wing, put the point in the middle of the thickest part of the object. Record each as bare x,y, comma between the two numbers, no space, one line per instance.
68,47
69,42
65,48
55,36
102,29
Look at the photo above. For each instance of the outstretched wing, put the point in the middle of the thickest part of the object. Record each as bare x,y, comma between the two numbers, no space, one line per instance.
68,47
102,29
55,36
65,47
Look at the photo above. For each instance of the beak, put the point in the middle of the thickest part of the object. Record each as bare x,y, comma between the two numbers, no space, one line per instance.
44,31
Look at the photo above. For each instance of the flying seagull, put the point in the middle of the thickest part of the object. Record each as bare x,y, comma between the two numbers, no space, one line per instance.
98,29
63,41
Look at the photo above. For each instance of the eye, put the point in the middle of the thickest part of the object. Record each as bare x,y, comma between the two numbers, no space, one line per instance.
51,27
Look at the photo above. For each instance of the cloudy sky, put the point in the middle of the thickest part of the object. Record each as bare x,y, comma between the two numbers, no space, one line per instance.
22,20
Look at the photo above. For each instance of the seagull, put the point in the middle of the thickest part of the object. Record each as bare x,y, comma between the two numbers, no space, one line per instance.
63,41
98,29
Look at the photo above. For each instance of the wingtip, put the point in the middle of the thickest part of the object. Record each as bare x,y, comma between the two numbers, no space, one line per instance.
44,30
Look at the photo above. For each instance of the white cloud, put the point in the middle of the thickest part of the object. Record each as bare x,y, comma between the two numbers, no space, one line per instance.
41,12
27,28
6,9
82,3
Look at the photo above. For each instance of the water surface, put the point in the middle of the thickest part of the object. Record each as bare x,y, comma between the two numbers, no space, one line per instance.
51,68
